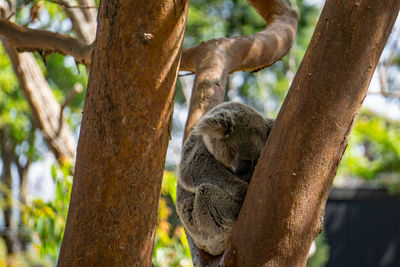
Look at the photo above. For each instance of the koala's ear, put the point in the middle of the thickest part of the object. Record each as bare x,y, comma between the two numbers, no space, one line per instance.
217,125
269,122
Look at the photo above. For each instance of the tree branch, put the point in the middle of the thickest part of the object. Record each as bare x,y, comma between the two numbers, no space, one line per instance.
213,60
64,4
83,20
44,107
286,198
7,8
383,70
25,39
77,89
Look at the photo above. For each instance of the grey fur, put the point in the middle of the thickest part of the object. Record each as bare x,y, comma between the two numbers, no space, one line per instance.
218,160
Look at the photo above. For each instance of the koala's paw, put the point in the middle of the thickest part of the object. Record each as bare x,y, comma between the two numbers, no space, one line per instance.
236,189
214,214
215,208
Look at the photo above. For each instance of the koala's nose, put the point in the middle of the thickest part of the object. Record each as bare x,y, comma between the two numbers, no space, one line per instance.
245,167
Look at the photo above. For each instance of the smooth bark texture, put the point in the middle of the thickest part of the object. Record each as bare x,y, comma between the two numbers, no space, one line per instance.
287,194
124,134
213,60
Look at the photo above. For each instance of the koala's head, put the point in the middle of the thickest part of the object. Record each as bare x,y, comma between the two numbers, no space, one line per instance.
235,135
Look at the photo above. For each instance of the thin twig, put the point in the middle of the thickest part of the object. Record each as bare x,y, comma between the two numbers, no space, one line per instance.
186,74
392,51
18,9
387,94
78,88
383,70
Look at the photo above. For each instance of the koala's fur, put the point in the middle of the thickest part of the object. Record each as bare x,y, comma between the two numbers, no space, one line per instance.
218,160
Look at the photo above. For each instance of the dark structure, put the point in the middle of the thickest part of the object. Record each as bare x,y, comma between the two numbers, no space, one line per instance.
363,228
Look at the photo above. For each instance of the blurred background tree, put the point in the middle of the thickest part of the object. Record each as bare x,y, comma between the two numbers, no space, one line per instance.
35,186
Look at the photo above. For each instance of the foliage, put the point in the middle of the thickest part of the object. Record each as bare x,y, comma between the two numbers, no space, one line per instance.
15,113
47,219
265,89
374,151
321,255
171,247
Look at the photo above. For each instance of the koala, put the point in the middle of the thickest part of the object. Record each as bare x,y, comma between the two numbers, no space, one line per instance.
217,162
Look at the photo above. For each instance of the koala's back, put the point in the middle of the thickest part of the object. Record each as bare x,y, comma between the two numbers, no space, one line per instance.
199,166
201,197
216,165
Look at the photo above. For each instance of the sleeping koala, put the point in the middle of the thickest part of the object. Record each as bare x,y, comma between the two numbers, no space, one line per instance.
218,160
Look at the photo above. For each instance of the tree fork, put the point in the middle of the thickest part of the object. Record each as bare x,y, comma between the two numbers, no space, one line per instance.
213,60
124,134
287,195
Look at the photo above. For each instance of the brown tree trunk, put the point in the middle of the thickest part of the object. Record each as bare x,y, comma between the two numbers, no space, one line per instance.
124,134
286,198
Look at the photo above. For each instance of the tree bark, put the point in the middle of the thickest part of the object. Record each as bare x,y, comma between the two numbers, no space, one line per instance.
213,60
83,19
287,195
124,134
10,234
45,109
25,39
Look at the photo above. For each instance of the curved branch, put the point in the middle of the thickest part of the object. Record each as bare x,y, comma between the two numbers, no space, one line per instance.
25,39
249,52
45,109
213,60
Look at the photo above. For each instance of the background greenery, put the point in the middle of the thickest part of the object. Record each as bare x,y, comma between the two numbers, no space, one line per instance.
373,154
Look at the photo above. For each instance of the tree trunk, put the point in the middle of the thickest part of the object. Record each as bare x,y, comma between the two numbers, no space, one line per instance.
287,195
45,108
124,134
10,234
